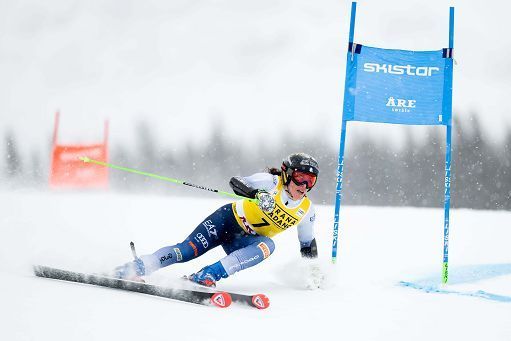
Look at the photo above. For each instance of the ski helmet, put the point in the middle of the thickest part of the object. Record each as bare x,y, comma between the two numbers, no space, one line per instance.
298,162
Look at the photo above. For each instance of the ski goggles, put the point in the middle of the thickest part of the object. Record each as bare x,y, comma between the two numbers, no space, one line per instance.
300,178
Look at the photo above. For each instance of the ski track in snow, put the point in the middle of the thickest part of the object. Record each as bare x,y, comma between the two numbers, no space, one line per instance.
470,277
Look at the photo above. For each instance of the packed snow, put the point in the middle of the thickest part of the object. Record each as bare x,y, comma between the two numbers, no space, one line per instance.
386,284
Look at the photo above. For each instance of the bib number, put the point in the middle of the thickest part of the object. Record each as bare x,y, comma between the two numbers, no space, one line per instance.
264,223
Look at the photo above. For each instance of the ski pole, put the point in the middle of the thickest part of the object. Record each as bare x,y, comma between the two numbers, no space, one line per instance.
132,246
164,178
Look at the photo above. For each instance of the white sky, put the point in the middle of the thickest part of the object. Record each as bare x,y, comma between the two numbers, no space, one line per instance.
259,67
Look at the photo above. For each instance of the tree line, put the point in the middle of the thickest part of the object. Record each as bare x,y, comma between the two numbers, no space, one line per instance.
375,172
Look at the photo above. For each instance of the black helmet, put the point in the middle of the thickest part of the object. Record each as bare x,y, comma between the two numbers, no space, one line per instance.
300,162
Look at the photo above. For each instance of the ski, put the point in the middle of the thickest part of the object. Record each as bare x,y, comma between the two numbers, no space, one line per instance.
218,299
259,301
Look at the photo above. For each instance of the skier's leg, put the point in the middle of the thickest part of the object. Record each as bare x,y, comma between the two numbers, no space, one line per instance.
206,236
257,249
248,251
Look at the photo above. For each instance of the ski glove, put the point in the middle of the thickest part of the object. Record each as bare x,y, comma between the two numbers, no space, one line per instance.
265,201
310,251
241,187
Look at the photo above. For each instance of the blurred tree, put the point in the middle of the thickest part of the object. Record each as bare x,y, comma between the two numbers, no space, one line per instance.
505,172
430,168
122,181
359,171
375,172
12,156
411,189
147,157
146,145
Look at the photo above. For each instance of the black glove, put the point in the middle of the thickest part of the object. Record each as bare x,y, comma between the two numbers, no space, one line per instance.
310,251
241,187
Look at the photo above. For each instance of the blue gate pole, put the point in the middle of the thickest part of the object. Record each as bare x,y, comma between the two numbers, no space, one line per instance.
340,165
447,192
338,192
447,202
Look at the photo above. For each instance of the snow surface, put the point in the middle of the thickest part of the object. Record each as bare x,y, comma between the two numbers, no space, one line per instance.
385,286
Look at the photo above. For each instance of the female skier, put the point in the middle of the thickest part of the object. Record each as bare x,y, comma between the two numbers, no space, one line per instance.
245,228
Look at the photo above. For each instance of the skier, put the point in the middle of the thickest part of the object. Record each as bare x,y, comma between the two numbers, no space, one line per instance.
245,228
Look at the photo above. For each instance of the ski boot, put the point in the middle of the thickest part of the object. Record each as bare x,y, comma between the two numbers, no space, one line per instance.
209,275
131,271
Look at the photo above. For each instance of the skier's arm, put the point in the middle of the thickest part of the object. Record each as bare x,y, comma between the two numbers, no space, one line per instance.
241,187
308,246
250,185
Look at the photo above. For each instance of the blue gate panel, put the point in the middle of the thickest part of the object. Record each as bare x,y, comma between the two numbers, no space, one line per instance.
398,86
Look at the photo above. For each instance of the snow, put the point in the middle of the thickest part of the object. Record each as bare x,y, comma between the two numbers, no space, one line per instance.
362,299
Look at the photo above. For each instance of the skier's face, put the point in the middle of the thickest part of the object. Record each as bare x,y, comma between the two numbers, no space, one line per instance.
296,192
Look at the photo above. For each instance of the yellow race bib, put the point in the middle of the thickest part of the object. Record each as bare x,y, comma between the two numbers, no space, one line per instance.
255,221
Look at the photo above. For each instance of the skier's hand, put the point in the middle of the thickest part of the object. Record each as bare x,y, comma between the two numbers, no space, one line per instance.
265,201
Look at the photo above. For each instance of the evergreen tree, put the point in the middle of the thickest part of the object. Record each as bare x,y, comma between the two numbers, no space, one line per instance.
12,156
505,172
147,153
410,191
375,173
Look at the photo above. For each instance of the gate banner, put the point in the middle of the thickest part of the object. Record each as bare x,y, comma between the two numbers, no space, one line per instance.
398,86
67,171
